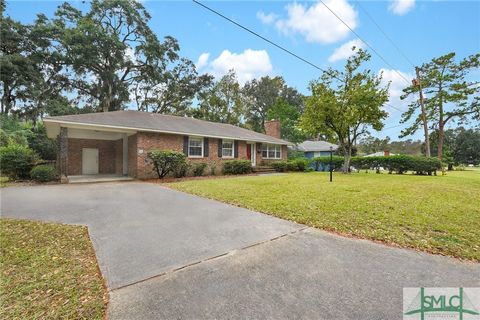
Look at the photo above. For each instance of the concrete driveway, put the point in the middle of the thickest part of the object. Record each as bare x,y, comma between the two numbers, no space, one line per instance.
167,254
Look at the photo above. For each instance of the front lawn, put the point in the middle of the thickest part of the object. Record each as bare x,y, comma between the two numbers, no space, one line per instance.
48,271
438,214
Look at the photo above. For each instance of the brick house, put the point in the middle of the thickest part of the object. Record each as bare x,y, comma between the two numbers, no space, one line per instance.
116,143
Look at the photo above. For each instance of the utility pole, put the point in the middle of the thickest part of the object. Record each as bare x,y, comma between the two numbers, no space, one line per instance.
418,83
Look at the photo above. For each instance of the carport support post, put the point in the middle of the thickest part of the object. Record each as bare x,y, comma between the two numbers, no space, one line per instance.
63,154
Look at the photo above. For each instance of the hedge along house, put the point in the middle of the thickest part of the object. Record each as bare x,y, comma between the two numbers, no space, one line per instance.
116,143
314,149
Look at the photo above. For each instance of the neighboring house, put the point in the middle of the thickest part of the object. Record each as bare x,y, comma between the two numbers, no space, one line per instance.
118,142
313,149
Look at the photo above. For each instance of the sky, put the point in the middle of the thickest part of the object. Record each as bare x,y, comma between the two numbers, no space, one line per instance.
420,31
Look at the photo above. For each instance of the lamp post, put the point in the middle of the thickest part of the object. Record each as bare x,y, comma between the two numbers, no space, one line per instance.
331,165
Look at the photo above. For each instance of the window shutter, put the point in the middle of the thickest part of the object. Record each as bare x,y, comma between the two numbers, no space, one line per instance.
235,149
205,147
220,143
185,145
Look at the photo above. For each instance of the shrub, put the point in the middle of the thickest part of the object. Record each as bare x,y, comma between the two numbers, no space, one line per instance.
166,162
43,173
16,161
279,166
299,164
237,167
38,141
337,162
213,169
199,168
399,164
181,170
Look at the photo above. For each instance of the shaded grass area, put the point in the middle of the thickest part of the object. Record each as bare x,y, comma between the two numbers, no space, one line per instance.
3,181
438,214
48,271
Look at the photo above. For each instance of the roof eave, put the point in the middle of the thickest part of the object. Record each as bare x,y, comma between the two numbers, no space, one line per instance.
84,124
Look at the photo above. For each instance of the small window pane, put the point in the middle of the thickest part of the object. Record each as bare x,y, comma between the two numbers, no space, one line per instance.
195,147
227,148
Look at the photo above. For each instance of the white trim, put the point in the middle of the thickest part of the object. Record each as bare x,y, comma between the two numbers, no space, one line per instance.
233,148
124,129
202,145
253,153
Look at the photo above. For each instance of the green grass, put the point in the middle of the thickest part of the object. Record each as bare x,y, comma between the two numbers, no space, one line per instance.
438,214
48,271
3,181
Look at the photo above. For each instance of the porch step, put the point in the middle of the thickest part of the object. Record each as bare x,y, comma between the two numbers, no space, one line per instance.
263,169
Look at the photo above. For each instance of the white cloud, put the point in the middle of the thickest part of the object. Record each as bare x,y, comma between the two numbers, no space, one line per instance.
401,7
248,65
202,60
397,84
345,50
266,18
316,23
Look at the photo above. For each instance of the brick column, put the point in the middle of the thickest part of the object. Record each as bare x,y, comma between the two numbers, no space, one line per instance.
63,153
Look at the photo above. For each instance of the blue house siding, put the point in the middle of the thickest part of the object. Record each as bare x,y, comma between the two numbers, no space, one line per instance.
310,155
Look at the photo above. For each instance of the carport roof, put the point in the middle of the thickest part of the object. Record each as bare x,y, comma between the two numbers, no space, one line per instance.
154,122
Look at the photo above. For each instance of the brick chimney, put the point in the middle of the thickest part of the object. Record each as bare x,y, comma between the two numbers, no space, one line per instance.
272,128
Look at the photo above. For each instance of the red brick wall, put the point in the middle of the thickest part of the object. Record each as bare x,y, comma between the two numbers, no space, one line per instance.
147,141
272,128
106,155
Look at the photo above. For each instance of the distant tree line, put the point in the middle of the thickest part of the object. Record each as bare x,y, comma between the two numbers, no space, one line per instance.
109,59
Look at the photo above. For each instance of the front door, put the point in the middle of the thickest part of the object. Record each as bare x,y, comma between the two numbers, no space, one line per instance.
89,161
251,153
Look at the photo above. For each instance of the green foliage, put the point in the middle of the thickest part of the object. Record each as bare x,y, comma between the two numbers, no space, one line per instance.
237,167
280,166
336,161
221,102
260,95
343,104
399,164
294,154
166,162
199,169
43,173
38,141
298,164
16,161
181,170
450,95
289,116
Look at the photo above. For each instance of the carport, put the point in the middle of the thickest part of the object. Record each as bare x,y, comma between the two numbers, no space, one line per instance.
87,154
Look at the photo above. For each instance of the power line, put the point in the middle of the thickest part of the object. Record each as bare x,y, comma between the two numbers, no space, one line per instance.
368,45
265,39
283,48
385,34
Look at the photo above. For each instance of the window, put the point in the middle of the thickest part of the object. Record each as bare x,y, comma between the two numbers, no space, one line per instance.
195,147
271,151
227,148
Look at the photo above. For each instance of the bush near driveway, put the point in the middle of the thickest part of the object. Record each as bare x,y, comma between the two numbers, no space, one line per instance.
49,271
237,167
16,161
167,162
435,214
43,173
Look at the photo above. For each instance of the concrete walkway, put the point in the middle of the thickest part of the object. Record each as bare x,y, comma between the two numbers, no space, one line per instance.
167,254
